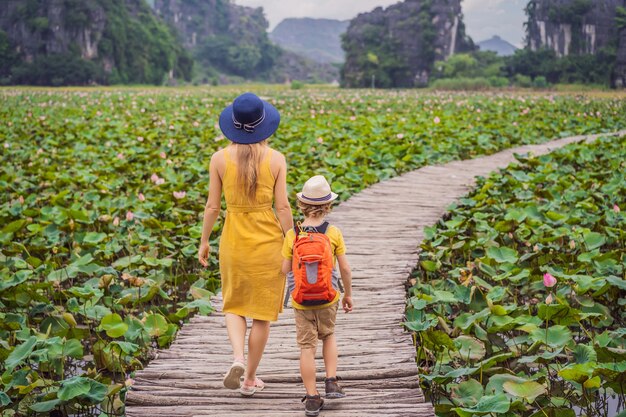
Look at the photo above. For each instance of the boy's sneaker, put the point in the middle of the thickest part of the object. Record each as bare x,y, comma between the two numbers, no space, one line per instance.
312,405
333,389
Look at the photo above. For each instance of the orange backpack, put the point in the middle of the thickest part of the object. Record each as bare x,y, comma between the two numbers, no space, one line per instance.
312,266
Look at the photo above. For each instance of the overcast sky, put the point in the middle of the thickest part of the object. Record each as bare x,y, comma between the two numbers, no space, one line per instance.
483,18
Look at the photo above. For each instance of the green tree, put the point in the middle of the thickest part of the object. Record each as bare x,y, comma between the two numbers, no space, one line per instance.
585,69
56,69
475,64
8,58
143,48
620,18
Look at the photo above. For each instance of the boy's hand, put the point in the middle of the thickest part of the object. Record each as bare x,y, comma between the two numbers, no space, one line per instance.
347,304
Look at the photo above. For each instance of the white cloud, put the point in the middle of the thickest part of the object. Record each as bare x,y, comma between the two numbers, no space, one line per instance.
483,18
481,5
277,10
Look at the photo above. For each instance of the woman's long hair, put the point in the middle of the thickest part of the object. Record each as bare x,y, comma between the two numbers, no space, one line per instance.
249,158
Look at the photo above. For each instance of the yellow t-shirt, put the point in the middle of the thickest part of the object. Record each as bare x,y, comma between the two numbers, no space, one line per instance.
338,247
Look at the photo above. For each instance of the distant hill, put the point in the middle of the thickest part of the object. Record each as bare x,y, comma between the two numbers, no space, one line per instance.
576,27
497,45
228,40
69,42
317,39
397,47
65,42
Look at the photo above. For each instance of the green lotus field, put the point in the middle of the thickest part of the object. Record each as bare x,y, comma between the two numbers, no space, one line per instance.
520,291
101,209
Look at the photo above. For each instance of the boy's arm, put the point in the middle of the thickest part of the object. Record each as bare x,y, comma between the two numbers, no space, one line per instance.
346,278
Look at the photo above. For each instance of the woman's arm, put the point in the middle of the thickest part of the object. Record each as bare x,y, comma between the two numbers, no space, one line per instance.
211,210
286,268
281,200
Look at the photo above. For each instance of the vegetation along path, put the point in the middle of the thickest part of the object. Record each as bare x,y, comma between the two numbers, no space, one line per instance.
383,226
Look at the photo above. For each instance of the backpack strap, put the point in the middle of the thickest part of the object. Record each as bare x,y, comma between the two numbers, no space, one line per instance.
322,228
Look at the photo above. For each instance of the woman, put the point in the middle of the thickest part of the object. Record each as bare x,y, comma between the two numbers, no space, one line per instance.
251,174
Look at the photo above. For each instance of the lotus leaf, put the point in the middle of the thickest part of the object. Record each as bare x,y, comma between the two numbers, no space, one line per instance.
113,325
82,387
467,393
488,404
528,390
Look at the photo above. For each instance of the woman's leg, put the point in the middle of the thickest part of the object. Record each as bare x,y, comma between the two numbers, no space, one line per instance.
256,345
236,327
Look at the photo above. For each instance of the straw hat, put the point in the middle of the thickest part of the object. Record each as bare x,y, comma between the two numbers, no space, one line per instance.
316,191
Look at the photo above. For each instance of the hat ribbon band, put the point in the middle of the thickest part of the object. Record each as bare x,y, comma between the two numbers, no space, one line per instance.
248,127
328,197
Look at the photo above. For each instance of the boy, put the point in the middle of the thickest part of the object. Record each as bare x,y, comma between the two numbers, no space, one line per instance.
315,318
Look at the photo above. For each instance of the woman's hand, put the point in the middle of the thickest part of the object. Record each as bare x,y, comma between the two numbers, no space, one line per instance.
203,253
347,304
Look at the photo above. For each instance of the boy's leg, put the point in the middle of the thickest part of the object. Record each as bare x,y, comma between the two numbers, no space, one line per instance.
256,345
330,356
326,327
307,370
306,334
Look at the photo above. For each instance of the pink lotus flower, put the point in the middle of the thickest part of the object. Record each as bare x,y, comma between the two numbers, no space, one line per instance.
353,118
140,138
400,135
160,181
616,208
129,216
163,155
179,194
116,221
549,299
141,197
548,280
21,199
437,120
120,156
154,178
320,140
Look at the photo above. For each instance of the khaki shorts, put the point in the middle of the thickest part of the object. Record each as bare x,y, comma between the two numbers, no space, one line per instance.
312,325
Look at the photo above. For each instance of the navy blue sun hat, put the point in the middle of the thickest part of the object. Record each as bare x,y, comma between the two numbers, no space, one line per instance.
249,120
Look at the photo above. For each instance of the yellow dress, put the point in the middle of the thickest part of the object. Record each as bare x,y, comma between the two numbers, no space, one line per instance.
250,259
